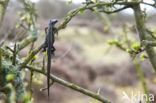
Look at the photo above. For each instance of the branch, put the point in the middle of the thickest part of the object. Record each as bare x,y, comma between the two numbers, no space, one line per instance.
26,42
141,77
114,3
71,14
143,34
32,54
149,43
62,82
4,5
114,11
0,60
153,5
90,6
71,85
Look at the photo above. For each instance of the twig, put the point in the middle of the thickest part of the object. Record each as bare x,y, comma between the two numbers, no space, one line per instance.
153,5
42,89
149,43
114,11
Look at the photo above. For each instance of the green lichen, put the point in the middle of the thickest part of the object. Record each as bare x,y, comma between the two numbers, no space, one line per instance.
17,82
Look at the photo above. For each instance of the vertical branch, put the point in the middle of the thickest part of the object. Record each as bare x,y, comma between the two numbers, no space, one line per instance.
0,60
32,46
143,34
141,77
136,64
14,55
31,74
30,84
43,64
3,5
2,78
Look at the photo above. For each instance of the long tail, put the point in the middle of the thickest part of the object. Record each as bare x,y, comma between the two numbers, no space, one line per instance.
48,67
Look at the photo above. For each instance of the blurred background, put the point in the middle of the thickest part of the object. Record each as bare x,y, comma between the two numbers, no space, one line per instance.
82,54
